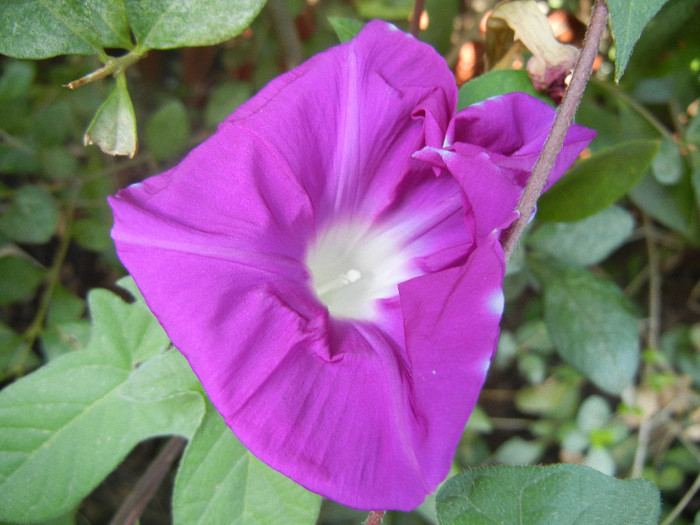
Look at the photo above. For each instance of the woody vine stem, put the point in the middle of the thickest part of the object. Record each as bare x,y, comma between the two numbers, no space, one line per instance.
565,116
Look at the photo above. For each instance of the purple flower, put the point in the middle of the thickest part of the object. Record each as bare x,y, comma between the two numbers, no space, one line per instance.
329,262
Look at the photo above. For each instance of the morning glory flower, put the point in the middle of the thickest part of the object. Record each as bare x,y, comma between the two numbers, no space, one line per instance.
329,262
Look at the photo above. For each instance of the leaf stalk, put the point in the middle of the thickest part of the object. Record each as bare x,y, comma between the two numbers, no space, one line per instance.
113,66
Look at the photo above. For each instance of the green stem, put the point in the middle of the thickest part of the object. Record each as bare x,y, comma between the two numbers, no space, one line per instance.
51,280
631,102
683,502
113,66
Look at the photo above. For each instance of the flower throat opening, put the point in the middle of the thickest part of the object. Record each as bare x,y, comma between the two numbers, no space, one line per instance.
352,267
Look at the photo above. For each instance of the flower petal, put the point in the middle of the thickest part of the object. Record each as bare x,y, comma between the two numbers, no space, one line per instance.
367,412
514,127
217,246
451,321
491,148
352,116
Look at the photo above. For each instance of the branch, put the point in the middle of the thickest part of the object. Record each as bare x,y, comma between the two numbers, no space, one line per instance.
51,280
415,19
143,491
565,116
683,502
113,66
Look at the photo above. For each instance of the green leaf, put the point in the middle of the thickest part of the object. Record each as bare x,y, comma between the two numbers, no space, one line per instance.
51,126
692,134
590,323
113,128
492,84
58,162
346,28
17,78
391,10
550,495
672,206
163,376
224,100
584,242
32,216
554,398
74,417
517,451
628,20
667,165
594,413
220,482
165,24
441,17
93,233
110,20
45,28
168,130
67,336
593,184
600,459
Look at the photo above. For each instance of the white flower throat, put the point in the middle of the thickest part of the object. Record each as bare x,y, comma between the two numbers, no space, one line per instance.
352,267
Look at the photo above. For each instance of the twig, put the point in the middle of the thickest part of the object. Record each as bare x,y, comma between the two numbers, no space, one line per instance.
51,279
683,502
113,66
565,116
640,453
644,433
415,19
375,517
653,334
143,491
286,33
654,331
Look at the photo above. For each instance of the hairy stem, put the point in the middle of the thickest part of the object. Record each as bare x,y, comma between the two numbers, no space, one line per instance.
415,19
143,491
565,116
113,66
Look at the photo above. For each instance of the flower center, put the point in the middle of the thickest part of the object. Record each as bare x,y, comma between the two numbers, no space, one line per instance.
352,267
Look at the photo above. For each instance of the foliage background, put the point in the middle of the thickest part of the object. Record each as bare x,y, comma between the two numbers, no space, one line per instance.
615,244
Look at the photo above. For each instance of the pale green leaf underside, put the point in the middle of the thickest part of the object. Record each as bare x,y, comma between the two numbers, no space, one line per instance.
591,326
66,426
585,242
551,495
163,24
46,28
220,482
